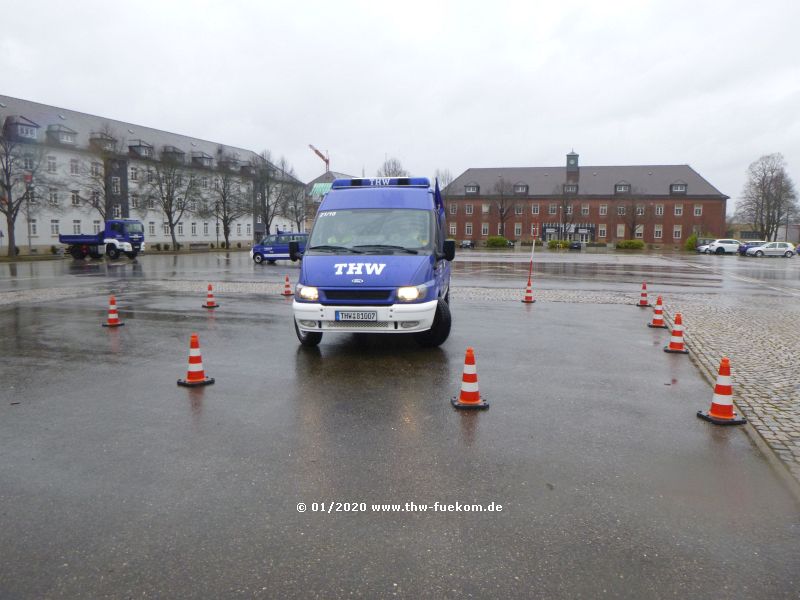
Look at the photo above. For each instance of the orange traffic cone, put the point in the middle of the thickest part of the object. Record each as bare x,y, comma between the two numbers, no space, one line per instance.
195,375
469,397
528,299
287,289
658,316
676,340
721,411
210,302
643,303
113,317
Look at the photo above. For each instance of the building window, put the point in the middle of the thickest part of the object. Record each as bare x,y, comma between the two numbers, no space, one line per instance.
621,230
676,232
638,233
33,228
534,209
151,177
485,208
205,228
115,185
484,229
134,200
204,182
569,209
151,228
27,162
180,228
51,164
96,226
117,211
134,174
74,166
601,231
622,188
249,230
552,209
468,209
621,211
194,228
192,206
26,132
97,169
151,202
517,209
470,189
179,179
76,197
468,229
53,196
640,209
258,219
657,232
517,229
584,210
679,210
452,229
659,210
603,210
54,229
76,226
677,188
499,229
570,188
238,229
520,189
166,228
453,208
698,210
216,183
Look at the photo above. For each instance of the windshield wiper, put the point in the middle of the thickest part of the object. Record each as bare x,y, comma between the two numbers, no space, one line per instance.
387,247
328,247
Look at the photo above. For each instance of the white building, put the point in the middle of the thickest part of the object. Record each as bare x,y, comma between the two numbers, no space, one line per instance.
79,167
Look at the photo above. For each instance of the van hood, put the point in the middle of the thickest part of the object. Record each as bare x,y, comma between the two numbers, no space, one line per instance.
369,270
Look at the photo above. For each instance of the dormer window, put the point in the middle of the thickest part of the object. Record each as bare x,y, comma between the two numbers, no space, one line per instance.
570,188
141,149
520,188
21,127
229,162
26,131
102,141
471,188
201,159
173,154
622,188
677,188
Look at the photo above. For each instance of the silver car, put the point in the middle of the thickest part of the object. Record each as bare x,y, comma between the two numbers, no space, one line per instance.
772,249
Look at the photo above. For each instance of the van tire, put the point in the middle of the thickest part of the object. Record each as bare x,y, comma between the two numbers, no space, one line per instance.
439,331
309,339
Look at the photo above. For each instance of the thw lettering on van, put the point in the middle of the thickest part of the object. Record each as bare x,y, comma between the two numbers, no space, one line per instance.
359,268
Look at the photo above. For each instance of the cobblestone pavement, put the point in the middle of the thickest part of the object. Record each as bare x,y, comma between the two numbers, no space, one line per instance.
761,338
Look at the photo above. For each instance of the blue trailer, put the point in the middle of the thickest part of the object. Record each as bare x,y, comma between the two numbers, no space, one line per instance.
120,236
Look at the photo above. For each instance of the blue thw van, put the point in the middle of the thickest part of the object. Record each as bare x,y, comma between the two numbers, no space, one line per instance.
377,261
276,247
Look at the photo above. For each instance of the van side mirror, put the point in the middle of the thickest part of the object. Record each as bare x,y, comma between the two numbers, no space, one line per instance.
294,251
449,249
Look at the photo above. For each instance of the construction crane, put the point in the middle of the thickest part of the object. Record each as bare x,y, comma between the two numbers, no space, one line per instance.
324,157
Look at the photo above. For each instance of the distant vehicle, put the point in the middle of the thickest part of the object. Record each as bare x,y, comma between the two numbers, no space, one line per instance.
702,244
466,244
723,246
772,249
276,247
119,236
703,249
749,244
575,245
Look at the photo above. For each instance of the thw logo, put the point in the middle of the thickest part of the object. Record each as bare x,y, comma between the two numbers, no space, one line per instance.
359,268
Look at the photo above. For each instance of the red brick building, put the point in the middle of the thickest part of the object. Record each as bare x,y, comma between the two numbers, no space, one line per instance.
658,204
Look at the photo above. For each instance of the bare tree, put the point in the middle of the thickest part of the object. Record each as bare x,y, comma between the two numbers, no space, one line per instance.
445,178
104,147
19,164
293,203
769,196
392,167
172,189
504,202
228,203
266,179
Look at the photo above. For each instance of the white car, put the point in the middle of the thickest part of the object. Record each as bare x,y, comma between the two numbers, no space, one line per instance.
772,249
723,246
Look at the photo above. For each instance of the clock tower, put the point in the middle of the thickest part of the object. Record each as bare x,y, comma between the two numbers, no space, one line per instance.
572,165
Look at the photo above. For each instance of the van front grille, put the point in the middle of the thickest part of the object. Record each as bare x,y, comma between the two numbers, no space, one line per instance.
357,294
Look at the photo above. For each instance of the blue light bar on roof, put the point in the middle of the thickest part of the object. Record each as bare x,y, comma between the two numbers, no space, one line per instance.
382,182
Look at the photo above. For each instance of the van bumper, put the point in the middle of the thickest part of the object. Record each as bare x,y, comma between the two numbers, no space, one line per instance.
395,318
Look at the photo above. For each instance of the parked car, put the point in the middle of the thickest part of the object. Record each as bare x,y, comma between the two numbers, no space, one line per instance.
575,245
749,244
510,243
772,249
702,248
466,244
723,246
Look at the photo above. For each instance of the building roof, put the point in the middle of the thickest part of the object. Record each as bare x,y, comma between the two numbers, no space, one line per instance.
645,180
127,134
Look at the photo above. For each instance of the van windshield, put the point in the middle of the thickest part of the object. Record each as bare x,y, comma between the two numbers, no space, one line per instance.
384,229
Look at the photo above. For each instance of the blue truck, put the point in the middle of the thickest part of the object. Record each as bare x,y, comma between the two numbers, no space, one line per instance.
120,236
378,261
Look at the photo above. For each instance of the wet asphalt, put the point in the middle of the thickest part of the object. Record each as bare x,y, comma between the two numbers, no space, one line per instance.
117,483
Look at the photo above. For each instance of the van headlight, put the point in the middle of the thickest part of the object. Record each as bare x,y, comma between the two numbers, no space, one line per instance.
409,294
307,292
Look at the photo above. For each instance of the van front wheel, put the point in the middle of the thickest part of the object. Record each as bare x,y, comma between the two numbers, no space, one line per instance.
439,331
307,338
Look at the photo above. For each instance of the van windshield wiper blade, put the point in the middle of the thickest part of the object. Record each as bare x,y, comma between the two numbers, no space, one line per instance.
387,247
329,247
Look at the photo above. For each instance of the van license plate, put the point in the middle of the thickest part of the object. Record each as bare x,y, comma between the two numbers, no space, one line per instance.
352,315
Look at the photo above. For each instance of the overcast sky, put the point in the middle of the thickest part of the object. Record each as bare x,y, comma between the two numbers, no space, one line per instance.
447,85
